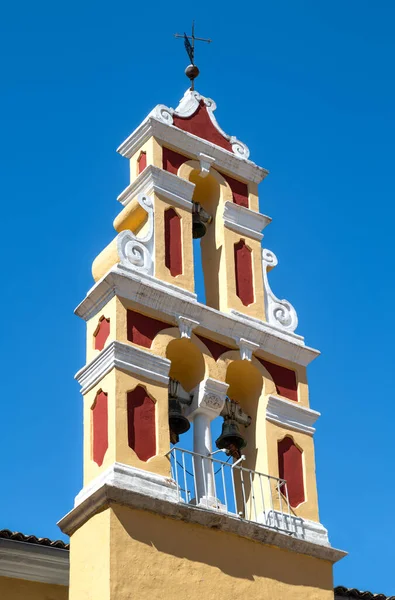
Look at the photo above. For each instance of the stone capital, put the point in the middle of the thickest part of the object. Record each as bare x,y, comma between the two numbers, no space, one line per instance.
208,398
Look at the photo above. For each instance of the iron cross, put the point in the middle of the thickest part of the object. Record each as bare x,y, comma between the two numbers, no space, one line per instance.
190,47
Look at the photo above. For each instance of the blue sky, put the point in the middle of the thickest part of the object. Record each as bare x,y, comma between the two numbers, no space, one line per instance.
309,87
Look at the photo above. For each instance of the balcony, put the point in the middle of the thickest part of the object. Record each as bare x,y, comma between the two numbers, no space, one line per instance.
215,485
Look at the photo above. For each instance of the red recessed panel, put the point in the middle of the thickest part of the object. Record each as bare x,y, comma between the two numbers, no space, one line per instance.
101,334
290,467
141,329
100,428
284,380
172,161
173,242
215,348
142,162
141,423
243,273
201,125
239,191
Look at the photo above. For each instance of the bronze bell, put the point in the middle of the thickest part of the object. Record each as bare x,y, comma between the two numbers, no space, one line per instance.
198,228
231,439
177,422
199,218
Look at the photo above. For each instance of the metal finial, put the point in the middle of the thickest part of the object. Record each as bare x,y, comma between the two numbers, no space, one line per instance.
191,71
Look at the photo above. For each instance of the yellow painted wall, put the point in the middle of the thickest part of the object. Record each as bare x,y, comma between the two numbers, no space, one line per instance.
154,556
90,559
274,433
154,157
186,278
116,384
20,589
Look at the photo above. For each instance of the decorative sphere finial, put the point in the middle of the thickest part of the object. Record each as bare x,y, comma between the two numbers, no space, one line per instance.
192,72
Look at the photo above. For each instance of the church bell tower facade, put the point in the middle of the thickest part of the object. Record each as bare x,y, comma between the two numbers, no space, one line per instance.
230,516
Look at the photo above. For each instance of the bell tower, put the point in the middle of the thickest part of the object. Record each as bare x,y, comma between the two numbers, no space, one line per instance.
237,515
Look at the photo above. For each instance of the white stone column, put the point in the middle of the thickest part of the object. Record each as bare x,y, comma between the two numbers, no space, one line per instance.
208,402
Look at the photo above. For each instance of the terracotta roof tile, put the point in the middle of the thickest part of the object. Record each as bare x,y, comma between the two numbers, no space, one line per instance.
17,536
358,595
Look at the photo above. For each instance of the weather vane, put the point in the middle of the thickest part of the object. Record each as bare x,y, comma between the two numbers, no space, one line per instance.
191,71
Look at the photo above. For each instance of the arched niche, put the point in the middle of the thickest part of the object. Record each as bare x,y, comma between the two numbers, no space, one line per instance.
187,363
211,192
249,385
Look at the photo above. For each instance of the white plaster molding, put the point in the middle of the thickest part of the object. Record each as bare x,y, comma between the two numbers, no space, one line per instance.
186,326
171,301
190,145
32,562
279,313
245,221
291,414
137,252
208,397
125,477
155,180
126,357
247,348
158,497
304,529
205,164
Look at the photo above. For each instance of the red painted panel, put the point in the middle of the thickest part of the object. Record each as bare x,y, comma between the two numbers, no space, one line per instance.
239,191
201,125
141,329
100,427
215,348
173,242
102,332
243,272
290,468
284,380
141,423
172,161
142,162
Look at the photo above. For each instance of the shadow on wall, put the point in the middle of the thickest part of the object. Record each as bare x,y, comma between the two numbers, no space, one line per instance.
206,549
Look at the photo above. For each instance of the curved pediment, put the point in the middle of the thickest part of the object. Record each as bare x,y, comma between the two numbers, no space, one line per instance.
195,115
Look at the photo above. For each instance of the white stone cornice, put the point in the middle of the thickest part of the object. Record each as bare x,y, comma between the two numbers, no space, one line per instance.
191,146
126,357
245,221
155,180
186,326
32,562
130,478
291,415
171,301
142,490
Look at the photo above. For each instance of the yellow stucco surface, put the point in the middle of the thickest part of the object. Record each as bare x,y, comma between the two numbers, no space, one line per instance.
90,559
20,589
154,556
117,384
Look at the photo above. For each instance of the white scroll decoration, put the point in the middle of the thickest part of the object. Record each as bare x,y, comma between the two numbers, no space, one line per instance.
162,113
137,253
279,313
187,107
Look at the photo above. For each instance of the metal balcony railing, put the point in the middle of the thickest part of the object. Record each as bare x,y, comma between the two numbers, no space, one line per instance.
216,485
